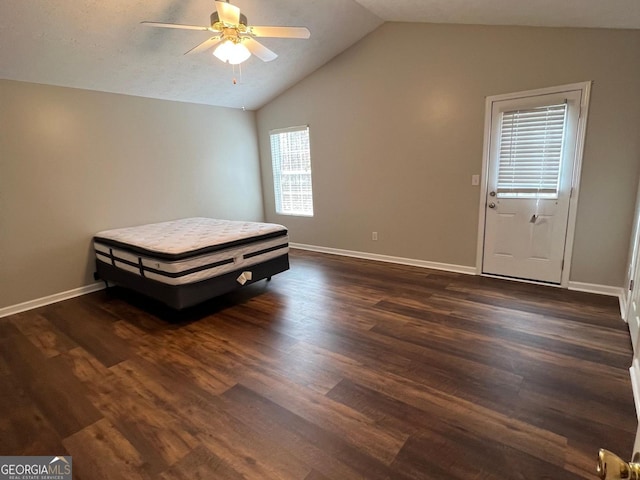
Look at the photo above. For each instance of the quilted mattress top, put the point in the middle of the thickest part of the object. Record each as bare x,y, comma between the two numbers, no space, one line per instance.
189,236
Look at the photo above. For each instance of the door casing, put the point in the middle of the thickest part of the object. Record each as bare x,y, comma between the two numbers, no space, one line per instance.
585,88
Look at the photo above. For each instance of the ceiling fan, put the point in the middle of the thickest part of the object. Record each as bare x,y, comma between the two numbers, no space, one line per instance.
234,36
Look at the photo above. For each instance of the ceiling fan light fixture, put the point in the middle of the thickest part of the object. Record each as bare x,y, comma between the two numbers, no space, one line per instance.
234,37
232,52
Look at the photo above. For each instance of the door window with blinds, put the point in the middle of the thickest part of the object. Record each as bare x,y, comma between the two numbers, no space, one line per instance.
530,153
291,161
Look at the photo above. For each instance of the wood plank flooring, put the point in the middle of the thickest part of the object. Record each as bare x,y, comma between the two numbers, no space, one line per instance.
337,369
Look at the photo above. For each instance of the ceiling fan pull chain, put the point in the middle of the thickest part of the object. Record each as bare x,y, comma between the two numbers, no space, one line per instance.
235,80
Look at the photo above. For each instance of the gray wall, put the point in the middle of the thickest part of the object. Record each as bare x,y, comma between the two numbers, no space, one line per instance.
73,162
396,125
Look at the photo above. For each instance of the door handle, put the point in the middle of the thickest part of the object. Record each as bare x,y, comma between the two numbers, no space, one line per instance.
492,205
612,467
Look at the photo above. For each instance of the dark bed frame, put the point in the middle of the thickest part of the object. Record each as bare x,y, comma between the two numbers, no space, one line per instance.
187,295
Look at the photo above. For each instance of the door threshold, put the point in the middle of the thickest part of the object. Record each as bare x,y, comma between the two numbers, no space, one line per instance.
521,280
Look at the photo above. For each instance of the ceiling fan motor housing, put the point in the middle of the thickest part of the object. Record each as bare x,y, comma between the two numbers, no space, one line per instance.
215,18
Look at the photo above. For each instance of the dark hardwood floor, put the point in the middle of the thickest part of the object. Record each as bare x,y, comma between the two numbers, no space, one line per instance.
337,369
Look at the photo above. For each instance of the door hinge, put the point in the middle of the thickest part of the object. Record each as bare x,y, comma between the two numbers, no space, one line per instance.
571,193
631,284
562,266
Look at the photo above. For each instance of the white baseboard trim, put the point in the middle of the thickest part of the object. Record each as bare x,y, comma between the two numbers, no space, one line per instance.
602,290
56,297
595,288
94,287
634,372
578,286
386,258
624,304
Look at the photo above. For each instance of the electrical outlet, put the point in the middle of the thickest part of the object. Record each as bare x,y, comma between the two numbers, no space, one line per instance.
374,236
475,180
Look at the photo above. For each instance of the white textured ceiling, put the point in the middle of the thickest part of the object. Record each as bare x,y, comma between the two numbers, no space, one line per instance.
545,13
100,44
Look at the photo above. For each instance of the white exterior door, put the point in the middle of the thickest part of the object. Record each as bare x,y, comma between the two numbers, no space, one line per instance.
529,185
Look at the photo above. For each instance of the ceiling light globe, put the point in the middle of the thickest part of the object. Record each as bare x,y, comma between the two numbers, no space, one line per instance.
223,50
231,52
238,54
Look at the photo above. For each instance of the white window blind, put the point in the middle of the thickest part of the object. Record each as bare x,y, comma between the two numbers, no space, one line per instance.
291,160
531,147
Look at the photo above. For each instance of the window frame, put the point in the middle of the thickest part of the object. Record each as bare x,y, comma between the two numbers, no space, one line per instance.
276,166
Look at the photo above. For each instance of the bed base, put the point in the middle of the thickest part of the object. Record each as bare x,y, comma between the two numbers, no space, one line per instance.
179,297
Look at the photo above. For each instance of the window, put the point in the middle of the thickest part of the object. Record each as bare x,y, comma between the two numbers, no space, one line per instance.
291,159
531,143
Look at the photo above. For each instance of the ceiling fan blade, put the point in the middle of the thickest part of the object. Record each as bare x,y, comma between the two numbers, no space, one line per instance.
259,50
204,46
228,13
175,25
280,32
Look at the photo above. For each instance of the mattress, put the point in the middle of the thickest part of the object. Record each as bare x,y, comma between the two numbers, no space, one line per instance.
192,249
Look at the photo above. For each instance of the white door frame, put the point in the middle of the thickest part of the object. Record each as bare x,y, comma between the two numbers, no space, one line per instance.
633,263
577,167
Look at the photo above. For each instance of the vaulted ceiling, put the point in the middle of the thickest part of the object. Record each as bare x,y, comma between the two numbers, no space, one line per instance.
100,45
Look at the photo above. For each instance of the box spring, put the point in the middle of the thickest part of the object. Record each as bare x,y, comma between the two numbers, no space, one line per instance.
187,295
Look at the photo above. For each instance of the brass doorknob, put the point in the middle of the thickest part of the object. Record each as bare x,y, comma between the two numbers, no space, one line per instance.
612,467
